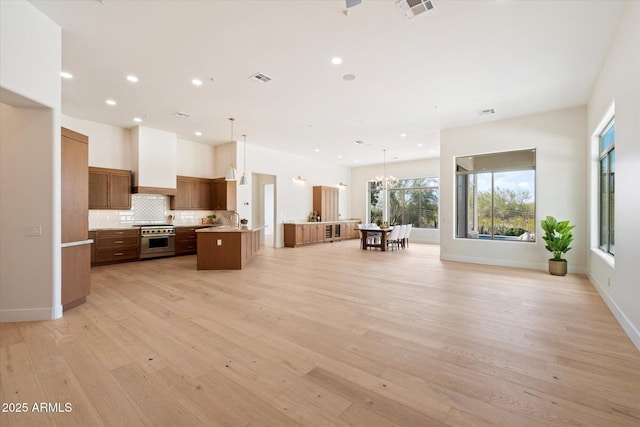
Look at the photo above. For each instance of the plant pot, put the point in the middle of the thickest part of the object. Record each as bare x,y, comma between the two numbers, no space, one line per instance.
557,268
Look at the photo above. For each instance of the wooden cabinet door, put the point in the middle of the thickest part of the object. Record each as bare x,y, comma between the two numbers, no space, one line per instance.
74,184
225,195
182,199
201,196
300,229
98,190
313,233
120,191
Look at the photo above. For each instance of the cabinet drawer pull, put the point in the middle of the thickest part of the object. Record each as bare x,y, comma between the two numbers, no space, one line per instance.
118,241
192,237
118,254
118,232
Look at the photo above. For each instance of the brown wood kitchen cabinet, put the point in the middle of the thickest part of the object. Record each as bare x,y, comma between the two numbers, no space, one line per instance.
116,245
76,248
325,202
312,232
109,188
193,194
224,195
186,240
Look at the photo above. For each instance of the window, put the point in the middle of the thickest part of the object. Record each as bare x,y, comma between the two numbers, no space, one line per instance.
607,188
495,196
410,201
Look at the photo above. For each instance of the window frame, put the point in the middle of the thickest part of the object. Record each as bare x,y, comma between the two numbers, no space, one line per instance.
396,186
490,164
608,196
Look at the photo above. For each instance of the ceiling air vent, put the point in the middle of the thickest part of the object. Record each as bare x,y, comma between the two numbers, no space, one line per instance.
359,142
259,77
413,8
181,115
487,112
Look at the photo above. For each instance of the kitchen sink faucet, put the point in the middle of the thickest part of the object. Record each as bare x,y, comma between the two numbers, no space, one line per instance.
237,215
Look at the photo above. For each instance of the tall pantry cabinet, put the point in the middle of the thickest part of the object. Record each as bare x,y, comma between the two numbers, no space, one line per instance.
76,246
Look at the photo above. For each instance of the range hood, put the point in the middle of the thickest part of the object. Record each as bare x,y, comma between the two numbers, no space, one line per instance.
154,161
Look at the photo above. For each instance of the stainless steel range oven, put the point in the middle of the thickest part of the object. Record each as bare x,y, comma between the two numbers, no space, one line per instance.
157,240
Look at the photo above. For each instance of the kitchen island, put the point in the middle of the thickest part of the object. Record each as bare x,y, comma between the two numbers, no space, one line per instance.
226,248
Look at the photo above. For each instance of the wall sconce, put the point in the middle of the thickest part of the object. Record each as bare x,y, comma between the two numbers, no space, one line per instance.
341,184
299,179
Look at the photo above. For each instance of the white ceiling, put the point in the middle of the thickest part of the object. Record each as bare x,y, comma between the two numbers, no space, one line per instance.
416,76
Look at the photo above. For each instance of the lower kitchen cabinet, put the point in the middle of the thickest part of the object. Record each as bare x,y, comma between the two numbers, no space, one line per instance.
316,232
186,240
111,246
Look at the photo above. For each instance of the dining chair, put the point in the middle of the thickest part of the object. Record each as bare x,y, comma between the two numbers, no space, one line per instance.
392,239
407,232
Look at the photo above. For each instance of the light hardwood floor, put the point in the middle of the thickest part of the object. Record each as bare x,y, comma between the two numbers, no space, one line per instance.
326,335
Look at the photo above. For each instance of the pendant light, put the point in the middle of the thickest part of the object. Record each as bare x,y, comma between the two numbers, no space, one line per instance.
231,172
243,178
384,179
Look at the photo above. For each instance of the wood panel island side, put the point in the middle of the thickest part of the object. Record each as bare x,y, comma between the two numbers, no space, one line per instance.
226,248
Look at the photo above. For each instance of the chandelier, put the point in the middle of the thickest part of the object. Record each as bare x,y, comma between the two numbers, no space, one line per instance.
385,179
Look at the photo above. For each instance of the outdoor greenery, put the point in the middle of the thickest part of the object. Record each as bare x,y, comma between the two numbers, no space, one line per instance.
411,201
557,236
513,212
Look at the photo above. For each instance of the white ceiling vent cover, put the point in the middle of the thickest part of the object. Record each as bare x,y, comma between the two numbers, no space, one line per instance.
182,115
413,8
260,77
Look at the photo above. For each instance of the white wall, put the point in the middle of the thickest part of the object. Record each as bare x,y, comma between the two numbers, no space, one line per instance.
109,146
30,95
619,82
558,137
294,200
360,176
196,159
154,157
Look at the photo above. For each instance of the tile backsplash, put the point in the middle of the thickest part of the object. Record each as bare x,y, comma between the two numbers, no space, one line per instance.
146,209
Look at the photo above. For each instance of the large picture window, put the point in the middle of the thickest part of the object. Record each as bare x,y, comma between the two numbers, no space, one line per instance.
495,196
607,188
410,201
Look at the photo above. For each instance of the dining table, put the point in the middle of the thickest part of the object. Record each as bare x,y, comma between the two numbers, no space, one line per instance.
365,233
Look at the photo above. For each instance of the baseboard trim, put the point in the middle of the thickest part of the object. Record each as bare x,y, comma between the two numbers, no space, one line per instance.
492,261
30,314
508,263
631,331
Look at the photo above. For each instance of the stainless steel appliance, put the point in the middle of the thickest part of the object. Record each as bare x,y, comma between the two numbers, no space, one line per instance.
157,240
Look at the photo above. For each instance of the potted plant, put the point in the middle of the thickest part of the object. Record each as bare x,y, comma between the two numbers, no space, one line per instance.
558,237
212,218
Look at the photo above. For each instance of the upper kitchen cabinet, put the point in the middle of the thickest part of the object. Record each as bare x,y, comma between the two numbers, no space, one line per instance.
192,194
325,202
224,195
109,188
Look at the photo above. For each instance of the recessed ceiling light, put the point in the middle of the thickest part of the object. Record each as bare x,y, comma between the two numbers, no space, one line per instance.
356,161
339,156
137,119
198,133
132,78
419,145
349,77
317,150
110,102
66,75
336,60
403,135
196,82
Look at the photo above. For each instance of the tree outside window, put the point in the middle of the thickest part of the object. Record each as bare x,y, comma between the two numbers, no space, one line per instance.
411,201
495,196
